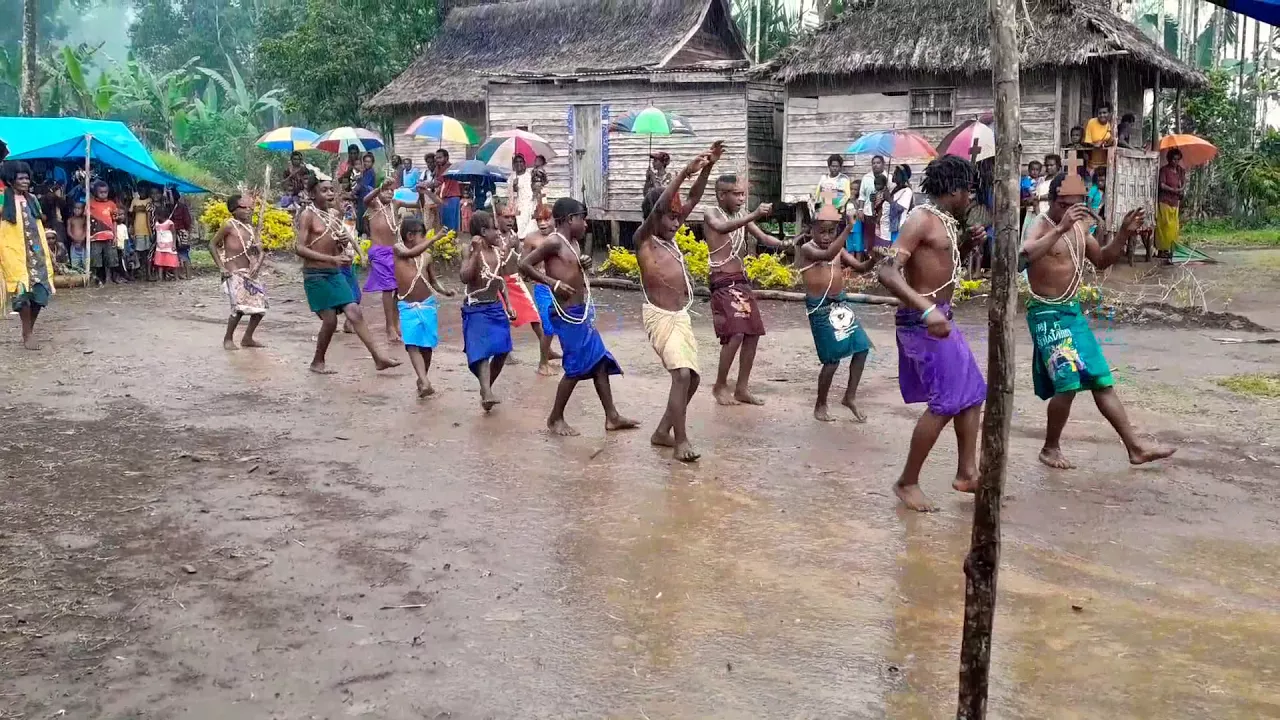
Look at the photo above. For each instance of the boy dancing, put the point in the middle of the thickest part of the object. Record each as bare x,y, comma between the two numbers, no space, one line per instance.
521,302
326,247
1067,356
836,332
486,325
418,307
238,254
668,293
935,364
558,264
542,296
734,310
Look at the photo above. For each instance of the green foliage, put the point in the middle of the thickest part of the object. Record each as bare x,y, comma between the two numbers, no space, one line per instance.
1225,232
621,263
188,170
1254,384
329,55
768,272
697,256
165,34
277,229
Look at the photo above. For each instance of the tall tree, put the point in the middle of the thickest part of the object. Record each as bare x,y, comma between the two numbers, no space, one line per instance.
29,96
165,34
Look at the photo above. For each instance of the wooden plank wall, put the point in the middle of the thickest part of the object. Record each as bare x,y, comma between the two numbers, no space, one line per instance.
765,115
471,113
825,121
715,110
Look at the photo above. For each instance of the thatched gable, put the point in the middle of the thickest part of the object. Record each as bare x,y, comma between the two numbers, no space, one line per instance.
523,37
953,36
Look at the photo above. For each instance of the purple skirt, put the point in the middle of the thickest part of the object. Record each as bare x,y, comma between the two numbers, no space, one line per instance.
382,269
939,371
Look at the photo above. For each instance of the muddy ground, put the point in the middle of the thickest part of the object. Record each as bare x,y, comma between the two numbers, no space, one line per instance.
190,533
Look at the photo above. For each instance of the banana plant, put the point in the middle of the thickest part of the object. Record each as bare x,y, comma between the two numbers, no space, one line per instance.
159,105
240,98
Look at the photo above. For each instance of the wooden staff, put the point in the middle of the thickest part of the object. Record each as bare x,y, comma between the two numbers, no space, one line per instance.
262,213
88,217
983,562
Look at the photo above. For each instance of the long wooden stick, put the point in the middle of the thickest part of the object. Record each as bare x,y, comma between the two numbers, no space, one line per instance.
88,218
982,565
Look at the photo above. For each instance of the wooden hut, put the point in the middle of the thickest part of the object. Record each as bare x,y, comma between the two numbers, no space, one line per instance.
565,68
925,65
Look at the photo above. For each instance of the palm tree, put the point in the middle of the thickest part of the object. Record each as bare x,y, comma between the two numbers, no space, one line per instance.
29,97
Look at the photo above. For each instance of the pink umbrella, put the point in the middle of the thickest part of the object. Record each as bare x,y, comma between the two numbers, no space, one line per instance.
971,139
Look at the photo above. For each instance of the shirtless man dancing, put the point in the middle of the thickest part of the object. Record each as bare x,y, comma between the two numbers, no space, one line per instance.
935,364
734,310
522,304
486,310
668,293
542,296
557,263
238,253
382,216
418,306
325,246
1067,358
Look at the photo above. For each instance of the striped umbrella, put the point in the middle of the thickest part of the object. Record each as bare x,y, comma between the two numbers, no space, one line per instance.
895,144
444,129
288,139
338,139
967,136
500,148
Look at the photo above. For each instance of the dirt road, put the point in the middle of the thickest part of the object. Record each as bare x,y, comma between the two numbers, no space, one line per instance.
190,533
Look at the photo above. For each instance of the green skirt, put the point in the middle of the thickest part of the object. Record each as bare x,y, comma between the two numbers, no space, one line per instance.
327,289
837,334
1067,357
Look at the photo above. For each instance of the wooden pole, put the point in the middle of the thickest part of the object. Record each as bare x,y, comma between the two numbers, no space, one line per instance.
982,564
1155,114
1113,151
88,223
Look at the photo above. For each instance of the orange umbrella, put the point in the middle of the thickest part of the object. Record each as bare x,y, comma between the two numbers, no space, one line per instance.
1195,151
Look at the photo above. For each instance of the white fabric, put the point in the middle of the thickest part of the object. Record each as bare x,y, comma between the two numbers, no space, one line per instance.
521,189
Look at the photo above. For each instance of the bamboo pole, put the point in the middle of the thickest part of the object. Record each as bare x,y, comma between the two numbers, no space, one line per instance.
88,222
982,565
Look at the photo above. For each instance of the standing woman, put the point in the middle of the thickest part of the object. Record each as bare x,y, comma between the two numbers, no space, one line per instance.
364,184
25,263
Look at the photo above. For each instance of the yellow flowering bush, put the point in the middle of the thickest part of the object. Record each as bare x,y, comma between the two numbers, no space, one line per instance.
1089,294
446,248
277,229
969,289
767,272
697,256
621,263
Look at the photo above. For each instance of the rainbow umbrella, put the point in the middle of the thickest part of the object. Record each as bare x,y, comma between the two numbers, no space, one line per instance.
502,147
288,139
1195,151
338,139
893,144
444,129
961,140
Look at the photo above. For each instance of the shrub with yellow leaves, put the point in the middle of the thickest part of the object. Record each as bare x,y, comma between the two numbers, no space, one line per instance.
767,271
277,229
621,263
697,256
446,248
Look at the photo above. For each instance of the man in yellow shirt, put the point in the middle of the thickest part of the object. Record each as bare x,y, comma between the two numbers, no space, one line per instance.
1098,134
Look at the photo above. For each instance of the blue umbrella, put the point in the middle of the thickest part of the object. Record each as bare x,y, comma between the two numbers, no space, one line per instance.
473,170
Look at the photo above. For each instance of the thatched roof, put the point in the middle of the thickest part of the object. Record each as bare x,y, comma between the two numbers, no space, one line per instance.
953,36
543,37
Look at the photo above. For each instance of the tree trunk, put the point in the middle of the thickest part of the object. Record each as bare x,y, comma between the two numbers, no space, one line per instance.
29,97
982,564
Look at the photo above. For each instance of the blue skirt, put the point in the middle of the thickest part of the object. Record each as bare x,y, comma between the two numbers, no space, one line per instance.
451,213
582,345
546,308
420,323
486,333
349,272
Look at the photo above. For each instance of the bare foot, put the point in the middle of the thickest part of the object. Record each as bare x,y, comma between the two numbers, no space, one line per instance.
723,395
617,422
251,343
545,370
1146,453
1054,458
853,407
685,452
489,402
385,363
346,327
746,398
30,343
913,497
662,439
425,389
229,344
320,369
965,484
561,428
394,339
820,413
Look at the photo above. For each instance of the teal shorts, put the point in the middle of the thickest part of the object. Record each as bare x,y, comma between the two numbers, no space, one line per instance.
1067,357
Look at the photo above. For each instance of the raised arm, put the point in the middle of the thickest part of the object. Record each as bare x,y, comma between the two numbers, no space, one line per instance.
700,184
664,201
434,282
404,251
470,269
1042,239
371,198
850,260
529,263
1104,257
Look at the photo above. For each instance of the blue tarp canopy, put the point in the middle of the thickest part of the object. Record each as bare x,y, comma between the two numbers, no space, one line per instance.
64,139
1267,11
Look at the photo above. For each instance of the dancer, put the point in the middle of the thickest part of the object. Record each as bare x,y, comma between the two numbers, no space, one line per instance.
556,262
486,326
935,364
26,266
542,296
238,253
419,308
1067,356
382,218
520,301
668,293
326,246
836,332
734,310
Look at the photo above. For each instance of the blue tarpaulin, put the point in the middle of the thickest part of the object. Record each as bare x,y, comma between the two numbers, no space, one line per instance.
1267,11
64,139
